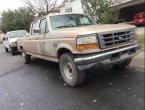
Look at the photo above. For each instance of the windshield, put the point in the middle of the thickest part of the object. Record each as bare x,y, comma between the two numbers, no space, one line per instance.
14,34
72,20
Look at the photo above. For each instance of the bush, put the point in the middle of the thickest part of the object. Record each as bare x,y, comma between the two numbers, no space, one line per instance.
16,20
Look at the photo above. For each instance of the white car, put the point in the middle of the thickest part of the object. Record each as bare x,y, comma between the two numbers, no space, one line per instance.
10,40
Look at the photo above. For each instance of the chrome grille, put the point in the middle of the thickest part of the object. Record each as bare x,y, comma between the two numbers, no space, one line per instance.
111,39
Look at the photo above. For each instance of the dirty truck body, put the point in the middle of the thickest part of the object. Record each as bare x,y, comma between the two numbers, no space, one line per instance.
77,43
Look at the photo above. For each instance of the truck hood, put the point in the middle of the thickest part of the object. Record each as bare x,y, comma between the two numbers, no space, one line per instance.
94,29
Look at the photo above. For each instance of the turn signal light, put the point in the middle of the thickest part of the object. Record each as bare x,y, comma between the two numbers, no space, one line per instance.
87,46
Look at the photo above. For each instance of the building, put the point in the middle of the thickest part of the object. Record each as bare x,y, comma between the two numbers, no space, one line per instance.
128,8
69,6
131,7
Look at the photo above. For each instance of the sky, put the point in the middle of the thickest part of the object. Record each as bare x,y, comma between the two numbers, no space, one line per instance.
12,4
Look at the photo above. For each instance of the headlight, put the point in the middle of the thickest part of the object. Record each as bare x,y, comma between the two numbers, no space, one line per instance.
87,42
14,43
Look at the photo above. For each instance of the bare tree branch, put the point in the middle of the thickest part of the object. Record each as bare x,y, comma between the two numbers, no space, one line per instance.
41,7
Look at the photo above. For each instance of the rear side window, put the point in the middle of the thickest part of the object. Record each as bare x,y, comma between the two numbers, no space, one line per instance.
43,26
34,25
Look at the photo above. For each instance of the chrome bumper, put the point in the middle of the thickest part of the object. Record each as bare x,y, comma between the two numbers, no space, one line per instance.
110,57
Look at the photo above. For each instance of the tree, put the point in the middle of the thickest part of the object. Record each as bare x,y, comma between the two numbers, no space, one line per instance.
16,20
41,7
102,11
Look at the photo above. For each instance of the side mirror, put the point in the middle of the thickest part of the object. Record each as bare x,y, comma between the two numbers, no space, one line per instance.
36,30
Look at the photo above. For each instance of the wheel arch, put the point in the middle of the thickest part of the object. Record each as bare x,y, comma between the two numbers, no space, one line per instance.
63,50
21,47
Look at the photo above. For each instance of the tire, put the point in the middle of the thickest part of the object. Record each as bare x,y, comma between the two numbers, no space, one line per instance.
13,52
70,73
124,64
26,57
7,50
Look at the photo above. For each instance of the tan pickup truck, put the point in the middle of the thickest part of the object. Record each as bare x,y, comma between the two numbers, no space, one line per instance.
77,43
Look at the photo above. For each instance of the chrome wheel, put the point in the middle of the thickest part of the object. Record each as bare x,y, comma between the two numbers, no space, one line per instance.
68,70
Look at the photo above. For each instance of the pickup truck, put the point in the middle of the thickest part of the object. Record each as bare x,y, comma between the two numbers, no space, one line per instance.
10,40
77,43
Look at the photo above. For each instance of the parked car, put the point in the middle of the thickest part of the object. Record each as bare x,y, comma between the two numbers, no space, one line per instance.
77,43
10,40
139,18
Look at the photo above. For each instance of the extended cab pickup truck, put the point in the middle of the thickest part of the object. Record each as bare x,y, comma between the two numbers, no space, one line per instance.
77,43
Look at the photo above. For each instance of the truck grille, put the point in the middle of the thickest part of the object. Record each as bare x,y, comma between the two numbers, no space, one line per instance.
111,39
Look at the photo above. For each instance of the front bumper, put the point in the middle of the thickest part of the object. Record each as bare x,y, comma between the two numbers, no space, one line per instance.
111,57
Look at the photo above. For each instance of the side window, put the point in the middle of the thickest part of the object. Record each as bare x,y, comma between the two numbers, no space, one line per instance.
43,26
34,25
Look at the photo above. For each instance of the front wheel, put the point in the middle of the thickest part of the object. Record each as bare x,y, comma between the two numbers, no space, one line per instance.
70,73
124,64
26,57
13,51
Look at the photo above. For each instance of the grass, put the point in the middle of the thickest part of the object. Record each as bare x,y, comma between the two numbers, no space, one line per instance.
141,40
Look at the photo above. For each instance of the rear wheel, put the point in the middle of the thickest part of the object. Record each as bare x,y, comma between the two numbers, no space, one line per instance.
70,73
26,57
124,64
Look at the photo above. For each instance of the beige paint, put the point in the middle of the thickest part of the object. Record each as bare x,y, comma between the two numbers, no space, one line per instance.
46,46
